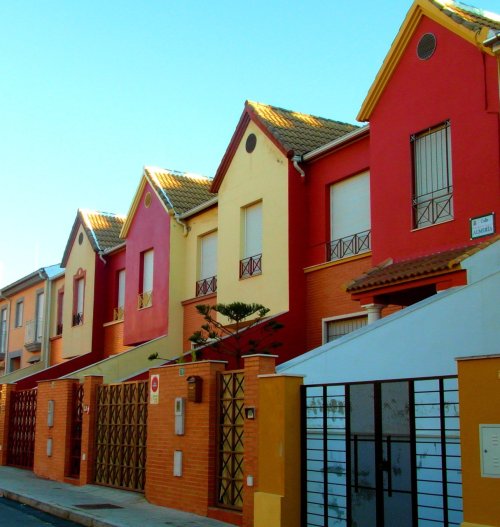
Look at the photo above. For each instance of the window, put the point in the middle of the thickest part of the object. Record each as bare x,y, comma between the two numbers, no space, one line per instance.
145,298
432,184
251,264
349,217
60,303
207,282
3,330
336,328
39,316
18,322
120,300
79,294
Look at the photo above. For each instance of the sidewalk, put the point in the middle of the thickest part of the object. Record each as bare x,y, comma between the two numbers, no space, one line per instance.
92,505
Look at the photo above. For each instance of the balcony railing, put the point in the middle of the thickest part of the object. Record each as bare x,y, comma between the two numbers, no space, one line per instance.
251,266
77,319
144,299
206,286
118,313
33,335
348,246
433,208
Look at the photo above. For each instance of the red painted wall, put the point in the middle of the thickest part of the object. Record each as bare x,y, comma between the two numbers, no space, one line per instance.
150,229
320,174
458,83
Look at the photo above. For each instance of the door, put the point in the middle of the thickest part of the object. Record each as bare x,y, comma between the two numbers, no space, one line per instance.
380,451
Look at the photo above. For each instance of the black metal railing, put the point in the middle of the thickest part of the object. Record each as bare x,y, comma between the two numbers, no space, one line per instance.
348,246
251,266
77,319
206,286
432,208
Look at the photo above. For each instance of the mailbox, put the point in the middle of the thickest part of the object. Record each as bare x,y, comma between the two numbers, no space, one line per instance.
194,383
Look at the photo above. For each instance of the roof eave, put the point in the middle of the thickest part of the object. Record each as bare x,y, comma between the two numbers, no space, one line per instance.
336,143
200,208
419,9
23,283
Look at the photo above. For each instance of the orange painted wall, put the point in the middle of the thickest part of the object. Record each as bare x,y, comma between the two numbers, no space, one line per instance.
113,339
192,321
479,393
326,296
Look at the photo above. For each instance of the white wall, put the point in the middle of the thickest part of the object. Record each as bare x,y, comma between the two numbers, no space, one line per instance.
420,341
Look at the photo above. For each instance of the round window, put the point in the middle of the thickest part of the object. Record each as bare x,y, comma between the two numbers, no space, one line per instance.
426,46
251,142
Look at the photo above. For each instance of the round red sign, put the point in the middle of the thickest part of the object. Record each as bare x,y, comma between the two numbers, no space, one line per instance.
154,383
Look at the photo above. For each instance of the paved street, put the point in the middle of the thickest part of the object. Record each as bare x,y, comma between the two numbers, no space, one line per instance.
17,514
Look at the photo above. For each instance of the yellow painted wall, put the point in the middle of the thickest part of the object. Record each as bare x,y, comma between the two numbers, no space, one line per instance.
479,394
277,500
199,225
77,340
261,175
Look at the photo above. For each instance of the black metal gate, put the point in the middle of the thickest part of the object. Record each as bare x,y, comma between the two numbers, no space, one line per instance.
122,414
230,440
381,454
22,422
75,450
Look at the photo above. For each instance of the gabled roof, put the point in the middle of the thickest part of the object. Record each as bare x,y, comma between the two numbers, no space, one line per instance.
472,24
179,192
102,229
44,273
294,133
390,272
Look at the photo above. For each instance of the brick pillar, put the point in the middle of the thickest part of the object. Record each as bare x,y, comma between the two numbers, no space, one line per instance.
254,365
277,500
193,489
55,465
5,391
88,428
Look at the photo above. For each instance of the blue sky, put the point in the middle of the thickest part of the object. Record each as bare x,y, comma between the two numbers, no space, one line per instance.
92,91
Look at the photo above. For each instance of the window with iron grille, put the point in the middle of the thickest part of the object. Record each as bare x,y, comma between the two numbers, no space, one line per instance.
207,264
251,263
334,329
78,300
432,182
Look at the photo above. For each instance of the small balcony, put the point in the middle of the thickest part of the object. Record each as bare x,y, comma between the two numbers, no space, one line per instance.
33,335
348,246
251,266
118,314
144,299
77,319
432,208
206,286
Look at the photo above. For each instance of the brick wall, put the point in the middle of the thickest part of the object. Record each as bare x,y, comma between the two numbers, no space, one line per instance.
55,466
5,391
326,296
192,321
194,490
113,339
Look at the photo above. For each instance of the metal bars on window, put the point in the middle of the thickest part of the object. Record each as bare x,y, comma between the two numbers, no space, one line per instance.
433,187
348,246
251,266
206,286
22,422
75,451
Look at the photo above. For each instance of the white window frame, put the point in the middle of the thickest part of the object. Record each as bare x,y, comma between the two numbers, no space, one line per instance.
252,234
120,293
210,238
324,323
147,271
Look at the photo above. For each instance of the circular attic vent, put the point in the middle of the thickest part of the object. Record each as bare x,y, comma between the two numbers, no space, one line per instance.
426,46
251,142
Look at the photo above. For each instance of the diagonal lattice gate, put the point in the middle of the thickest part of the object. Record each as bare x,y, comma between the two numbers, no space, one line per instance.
22,421
230,441
122,412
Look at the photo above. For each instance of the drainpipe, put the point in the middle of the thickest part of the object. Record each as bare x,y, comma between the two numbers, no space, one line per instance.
46,323
295,161
182,223
101,257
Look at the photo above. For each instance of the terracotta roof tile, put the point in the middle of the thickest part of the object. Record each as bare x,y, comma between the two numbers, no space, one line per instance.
471,17
299,132
180,191
103,228
390,272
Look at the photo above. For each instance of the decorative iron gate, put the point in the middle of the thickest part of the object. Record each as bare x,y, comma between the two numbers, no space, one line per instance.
122,412
230,440
22,421
75,451
381,454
